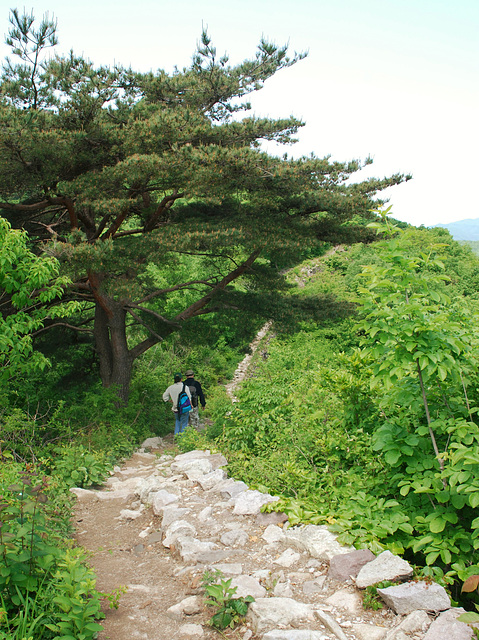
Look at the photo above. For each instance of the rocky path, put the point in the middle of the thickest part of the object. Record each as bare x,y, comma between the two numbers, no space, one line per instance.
162,521
165,521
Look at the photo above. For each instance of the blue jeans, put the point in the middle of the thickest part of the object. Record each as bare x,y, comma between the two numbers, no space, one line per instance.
181,422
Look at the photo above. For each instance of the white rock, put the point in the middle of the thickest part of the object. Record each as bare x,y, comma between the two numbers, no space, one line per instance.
161,499
331,624
415,622
283,590
369,632
408,597
446,627
386,566
192,468
233,568
172,513
232,488
250,502
210,480
193,455
205,514
147,486
317,540
267,613
247,586
84,495
176,529
128,514
294,634
191,630
189,606
190,549
273,534
347,600
235,538
152,443
288,558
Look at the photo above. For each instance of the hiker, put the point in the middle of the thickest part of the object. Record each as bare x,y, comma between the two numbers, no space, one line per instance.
172,393
197,398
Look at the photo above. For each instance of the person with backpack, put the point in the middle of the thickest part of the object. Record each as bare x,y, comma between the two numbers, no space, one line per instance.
180,396
197,397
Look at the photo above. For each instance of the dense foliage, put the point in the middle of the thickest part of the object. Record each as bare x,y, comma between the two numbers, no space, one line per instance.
371,426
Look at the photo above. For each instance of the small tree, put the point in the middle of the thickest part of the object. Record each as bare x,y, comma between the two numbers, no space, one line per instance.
27,283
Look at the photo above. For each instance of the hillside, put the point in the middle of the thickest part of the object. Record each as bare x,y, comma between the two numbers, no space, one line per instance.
463,230
366,342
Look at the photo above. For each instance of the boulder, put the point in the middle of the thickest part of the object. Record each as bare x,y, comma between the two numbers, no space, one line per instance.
192,468
349,601
172,513
364,631
347,565
193,550
247,586
317,540
411,596
386,566
416,622
267,613
189,606
161,499
273,534
446,627
152,443
217,460
232,488
176,529
288,558
191,631
235,538
210,480
250,502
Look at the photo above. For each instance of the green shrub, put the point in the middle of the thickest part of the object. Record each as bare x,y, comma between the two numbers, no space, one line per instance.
78,467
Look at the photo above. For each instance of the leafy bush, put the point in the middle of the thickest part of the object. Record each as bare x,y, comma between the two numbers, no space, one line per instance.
78,467
45,589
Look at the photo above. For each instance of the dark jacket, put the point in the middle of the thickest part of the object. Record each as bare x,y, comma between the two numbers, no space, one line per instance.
190,382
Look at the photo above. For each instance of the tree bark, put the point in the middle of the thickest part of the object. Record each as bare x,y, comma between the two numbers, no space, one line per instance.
112,348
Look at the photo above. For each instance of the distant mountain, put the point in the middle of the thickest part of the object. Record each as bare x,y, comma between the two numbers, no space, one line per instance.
463,230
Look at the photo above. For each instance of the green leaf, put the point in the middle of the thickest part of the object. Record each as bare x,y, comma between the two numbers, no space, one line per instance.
392,456
437,525
468,617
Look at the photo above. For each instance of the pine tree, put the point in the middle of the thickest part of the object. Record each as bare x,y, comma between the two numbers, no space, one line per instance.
115,171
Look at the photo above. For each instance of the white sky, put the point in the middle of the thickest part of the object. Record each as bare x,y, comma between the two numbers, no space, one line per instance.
394,79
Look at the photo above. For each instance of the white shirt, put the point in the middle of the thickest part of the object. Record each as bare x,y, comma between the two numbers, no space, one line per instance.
173,392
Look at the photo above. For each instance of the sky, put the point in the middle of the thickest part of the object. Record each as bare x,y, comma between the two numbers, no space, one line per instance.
396,80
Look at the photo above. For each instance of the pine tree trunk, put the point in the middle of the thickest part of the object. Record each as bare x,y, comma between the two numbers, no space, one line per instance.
111,345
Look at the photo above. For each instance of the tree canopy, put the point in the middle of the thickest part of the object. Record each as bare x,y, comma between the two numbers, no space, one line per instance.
119,173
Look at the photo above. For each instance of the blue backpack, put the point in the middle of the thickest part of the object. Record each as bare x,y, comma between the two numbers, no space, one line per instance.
183,404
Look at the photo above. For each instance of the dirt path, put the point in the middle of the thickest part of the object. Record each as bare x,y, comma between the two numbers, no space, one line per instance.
126,543
121,558
127,553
